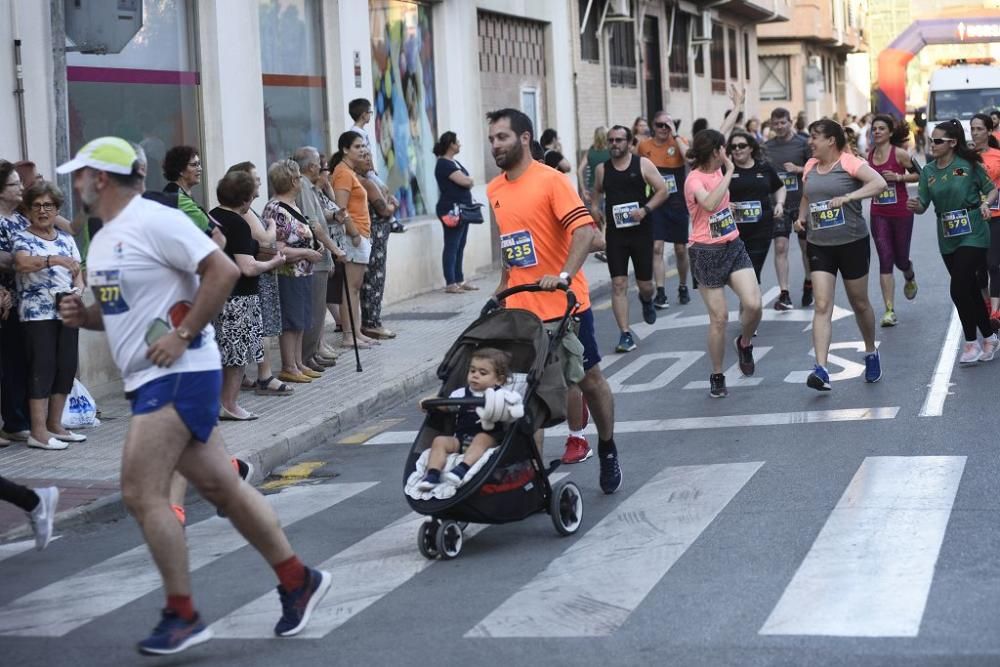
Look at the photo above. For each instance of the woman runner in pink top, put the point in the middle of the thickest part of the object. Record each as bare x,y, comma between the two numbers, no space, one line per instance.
892,222
718,257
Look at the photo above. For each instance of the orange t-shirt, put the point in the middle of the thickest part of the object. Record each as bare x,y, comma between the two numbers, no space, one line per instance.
669,155
991,160
537,214
344,178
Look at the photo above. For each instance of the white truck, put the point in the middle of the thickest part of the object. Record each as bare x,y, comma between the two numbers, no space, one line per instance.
961,91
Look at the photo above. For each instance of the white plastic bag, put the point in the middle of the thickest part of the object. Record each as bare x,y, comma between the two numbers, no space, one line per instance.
80,410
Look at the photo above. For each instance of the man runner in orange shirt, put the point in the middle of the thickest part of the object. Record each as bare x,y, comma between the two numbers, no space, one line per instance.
545,235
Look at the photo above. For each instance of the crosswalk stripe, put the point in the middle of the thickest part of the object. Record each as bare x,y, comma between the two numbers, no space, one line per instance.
869,572
67,604
362,574
15,548
695,423
641,540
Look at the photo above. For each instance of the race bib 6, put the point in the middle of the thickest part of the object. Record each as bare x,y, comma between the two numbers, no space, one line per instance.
624,215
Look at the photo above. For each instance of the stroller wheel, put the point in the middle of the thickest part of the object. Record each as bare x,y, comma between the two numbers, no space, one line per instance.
566,508
449,540
427,539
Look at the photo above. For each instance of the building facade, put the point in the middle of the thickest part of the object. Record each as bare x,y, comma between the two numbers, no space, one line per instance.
803,63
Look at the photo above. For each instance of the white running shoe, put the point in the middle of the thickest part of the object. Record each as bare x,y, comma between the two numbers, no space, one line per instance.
990,346
971,351
43,515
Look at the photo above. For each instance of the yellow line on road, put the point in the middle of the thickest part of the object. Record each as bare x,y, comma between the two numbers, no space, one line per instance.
364,435
293,475
606,304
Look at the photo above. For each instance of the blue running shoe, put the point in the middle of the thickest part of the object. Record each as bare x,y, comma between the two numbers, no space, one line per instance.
173,634
626,343
611,472
297,606
873,367
648,311
819,379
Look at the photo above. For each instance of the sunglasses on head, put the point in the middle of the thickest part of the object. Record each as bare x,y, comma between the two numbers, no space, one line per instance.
937,141
738,147
661,126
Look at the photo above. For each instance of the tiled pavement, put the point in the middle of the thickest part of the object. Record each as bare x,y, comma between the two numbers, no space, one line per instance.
397,370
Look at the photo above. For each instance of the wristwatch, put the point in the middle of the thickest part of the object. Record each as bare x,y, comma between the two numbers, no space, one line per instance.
564,276
646,209
184,334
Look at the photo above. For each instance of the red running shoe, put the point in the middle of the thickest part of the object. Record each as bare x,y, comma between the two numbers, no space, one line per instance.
577,450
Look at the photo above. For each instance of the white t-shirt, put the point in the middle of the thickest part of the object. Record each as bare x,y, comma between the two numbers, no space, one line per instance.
142,268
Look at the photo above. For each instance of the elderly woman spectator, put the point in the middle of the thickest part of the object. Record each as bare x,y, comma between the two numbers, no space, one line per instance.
13,370
48,266
295,242
356,242
182,169
382,207
455,188
238,328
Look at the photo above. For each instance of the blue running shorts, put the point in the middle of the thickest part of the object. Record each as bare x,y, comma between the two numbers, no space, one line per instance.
194,395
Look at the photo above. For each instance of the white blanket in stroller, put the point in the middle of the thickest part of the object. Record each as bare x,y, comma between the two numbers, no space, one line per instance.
444,489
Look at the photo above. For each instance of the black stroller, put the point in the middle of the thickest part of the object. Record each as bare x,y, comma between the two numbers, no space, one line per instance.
514,483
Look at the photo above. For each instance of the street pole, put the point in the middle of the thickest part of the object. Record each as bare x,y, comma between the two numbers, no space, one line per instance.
59,94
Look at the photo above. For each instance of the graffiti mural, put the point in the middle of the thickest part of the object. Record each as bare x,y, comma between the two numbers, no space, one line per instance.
404,102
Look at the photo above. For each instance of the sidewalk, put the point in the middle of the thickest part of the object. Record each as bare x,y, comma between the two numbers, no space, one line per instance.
399,370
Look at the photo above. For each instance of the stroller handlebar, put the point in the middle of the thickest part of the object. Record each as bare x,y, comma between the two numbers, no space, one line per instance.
452,404
495,301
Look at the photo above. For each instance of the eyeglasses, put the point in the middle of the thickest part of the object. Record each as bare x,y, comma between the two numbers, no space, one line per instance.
937,141
617,140
738,147
661,126
44,206
194,163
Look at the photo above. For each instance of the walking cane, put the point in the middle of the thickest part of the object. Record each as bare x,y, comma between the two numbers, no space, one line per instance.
350,317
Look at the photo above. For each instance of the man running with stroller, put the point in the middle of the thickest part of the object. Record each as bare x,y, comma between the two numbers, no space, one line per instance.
545,235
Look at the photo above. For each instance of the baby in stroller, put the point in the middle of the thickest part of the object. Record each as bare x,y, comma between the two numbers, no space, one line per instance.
489,368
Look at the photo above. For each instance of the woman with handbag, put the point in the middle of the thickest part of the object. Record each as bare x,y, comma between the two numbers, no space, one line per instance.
455,187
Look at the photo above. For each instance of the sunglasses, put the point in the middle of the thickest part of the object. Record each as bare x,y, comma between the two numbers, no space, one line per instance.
937,141
738,147
661,126
617,140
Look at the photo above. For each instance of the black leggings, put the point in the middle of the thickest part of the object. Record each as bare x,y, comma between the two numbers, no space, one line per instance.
993,258
52,357
21,496
964,265
757,249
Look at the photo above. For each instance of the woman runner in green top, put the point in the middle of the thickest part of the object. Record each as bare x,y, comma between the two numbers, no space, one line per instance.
961,190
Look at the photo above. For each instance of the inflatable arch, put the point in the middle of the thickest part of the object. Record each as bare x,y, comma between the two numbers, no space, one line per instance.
957,25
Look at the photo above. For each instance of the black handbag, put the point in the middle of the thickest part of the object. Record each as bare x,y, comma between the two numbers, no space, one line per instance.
471,214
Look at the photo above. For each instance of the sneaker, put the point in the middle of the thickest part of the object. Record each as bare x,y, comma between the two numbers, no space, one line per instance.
298,605
683,295
577,450
910,289
819,379
456,475
889,319
717,385
745,355
784,301
873,367
660,301
807,294
611,472
429,482
648,311
970,353
43,515
601,256
989,348
173,634
626,343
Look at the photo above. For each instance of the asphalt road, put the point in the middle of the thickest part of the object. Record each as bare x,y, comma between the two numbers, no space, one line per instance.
777,526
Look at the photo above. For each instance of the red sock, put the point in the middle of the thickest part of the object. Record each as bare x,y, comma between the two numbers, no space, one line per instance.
291,573
182,606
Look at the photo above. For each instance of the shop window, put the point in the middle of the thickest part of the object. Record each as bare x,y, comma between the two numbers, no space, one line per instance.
291,48
717,53
405,102
733,47
590,43
680,78
147,93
